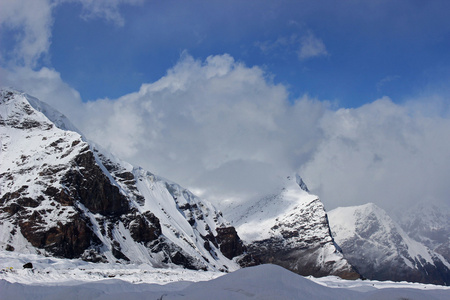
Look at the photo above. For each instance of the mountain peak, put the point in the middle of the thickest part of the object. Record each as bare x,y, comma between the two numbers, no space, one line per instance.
290,228
19,106
61,196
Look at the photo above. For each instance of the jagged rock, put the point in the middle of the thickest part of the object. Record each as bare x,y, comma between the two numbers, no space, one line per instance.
229,242
89,185
144,228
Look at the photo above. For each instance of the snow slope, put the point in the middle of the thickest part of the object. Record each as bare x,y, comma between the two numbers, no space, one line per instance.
380,249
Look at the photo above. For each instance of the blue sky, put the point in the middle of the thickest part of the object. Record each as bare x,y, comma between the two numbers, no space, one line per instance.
224,97
371,48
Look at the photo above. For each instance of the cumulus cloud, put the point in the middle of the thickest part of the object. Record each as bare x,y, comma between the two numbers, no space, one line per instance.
226,131
210,125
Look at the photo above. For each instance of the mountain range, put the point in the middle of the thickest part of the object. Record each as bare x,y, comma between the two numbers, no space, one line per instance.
64,196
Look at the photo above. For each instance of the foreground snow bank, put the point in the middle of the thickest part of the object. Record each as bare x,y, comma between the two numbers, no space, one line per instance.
54,278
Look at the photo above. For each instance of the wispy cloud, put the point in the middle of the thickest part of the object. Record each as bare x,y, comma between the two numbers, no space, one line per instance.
105,9
311,46
305,46
386,80
29,23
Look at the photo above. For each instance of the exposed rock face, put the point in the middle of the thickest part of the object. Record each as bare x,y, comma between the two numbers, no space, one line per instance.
381,250
87,183
144,228
229,242
291,229
61,196
65,240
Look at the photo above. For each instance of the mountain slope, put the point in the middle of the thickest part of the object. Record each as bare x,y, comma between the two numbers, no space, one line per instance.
381,250
60,195
430,225
290,229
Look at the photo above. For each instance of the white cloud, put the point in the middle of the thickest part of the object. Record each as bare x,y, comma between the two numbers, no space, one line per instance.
225,129
206,124
382,153
47,85
105,9
386,80
311,46
31,21
305,46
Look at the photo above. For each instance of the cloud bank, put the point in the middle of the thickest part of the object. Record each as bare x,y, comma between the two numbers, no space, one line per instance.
227,131
384,153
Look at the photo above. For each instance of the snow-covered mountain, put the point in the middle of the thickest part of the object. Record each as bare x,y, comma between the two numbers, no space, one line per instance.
290,228
380,249
430,225
63,196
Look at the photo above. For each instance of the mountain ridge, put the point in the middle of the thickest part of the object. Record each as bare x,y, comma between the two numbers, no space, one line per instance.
375,244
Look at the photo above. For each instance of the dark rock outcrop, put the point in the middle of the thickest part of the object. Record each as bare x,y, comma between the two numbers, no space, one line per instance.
229,242
87,183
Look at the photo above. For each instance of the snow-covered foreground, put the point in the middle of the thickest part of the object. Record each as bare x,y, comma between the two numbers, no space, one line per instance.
53,278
